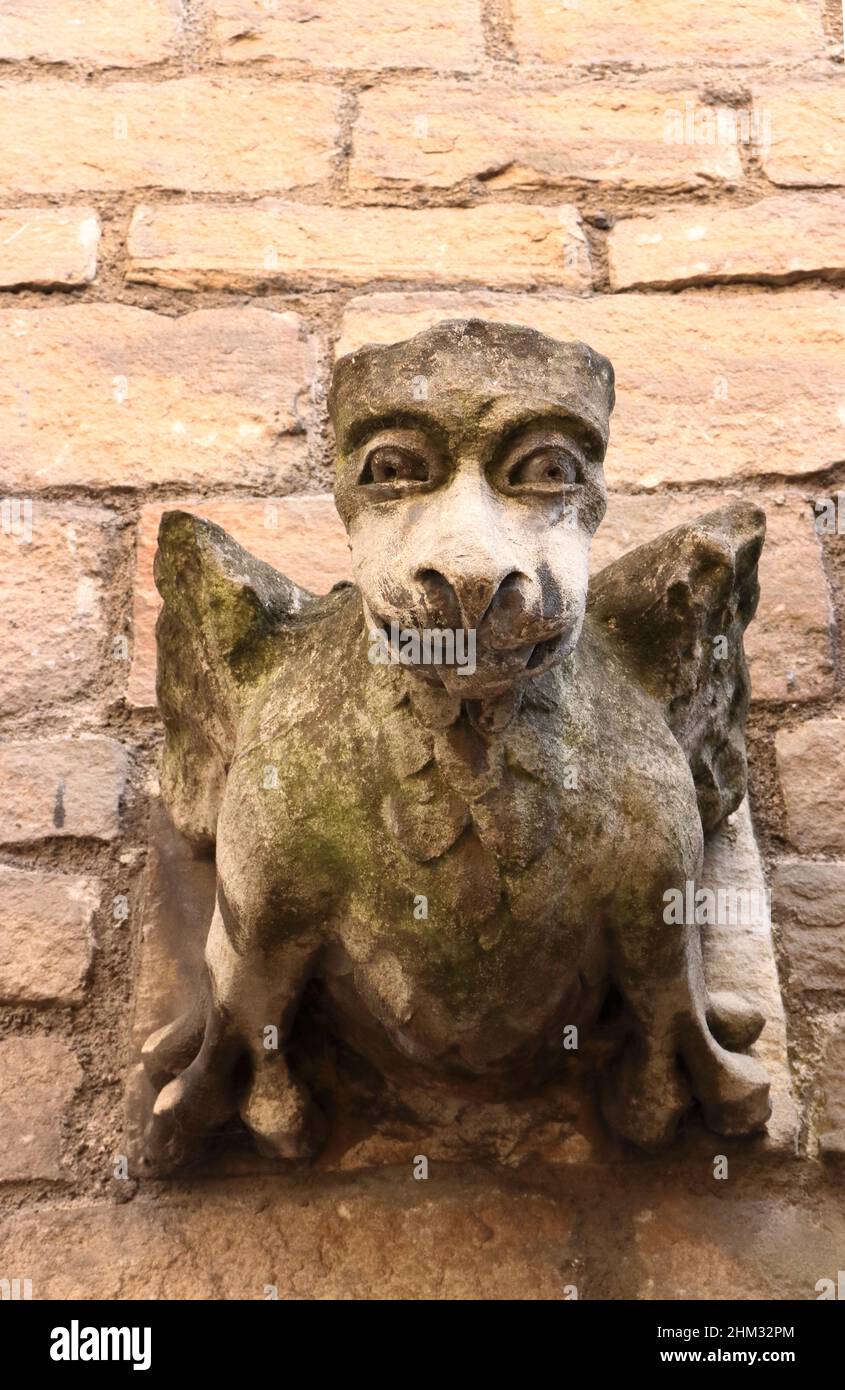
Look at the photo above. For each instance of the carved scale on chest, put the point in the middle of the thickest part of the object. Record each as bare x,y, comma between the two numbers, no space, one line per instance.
472,779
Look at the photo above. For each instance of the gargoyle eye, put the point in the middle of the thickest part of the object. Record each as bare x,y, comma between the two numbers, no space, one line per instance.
388,463
548,469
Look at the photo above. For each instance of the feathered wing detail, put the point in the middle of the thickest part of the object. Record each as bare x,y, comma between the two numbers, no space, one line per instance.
223,611
677,608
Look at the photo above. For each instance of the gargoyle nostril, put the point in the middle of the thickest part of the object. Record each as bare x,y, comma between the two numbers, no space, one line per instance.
510,581
440,597
434,585
473,598
510,599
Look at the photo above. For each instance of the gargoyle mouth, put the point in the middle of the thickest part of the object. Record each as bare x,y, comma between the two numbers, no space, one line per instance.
543,652
531,654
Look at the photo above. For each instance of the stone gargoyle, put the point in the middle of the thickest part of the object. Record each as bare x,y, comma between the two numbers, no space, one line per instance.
468,856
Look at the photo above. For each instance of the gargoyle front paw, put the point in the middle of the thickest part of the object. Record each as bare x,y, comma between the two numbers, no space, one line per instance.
171,1049
284,1120
650,1085
732,1088
196,1057
189,1108
733,1021
195,1062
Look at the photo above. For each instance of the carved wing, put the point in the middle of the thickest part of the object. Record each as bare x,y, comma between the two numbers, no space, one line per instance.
677,608
216,635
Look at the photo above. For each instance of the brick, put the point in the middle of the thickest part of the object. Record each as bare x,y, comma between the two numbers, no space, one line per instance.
201,246
816,958
302,536
621,1239
436,135
811,767
108,395
46,936
197,134
352,33
805,128
710,385
231,1244
808,900
70,787
38,1078
100,33
788,645
832,1119
774,241
48,247
53,595
662,32
693,1246
809,893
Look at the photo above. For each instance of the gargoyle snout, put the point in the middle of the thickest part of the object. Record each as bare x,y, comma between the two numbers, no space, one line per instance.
469,598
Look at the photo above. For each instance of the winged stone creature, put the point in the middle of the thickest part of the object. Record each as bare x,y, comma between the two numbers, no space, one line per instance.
541,800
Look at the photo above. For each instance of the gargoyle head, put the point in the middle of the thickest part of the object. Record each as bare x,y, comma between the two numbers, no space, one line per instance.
470,482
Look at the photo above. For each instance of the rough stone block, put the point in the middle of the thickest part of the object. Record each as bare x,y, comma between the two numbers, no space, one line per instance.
194,134
55,564
48,248
438,134
70,787
203,246
38,1078
46,936
352,33
107,395
811,767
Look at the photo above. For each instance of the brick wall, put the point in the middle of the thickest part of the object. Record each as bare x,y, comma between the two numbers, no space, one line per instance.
201,200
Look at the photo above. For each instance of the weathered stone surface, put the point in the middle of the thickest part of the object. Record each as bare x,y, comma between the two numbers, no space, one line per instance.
811,767
52,599
200,246
637,1239
773,241
660,32
724,1247
46,941
67,787
38,1077
810,893
702,378
788,645
406,1243
816,958
201,134
48,247
806,126
99,33
434,135
109,395
352,33
302,536
832,1120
